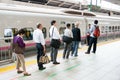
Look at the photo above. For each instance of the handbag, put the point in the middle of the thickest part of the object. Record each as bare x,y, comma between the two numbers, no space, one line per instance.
17,49
44,59
55,43
67,39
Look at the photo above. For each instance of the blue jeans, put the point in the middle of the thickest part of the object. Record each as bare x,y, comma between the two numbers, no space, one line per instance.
75,48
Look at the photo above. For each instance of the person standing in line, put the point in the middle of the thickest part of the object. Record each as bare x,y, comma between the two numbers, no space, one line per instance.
76,39
93,39
40,44
88,34
54,34
67,46
18,48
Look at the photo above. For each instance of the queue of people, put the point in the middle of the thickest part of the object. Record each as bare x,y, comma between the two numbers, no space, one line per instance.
72,36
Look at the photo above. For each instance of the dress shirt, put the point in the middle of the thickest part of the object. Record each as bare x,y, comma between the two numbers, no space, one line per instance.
68,33
54,34
38,36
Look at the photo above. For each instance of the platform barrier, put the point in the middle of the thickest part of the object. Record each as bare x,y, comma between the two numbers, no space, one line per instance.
6,50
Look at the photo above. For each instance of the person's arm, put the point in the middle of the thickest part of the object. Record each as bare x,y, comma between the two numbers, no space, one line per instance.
56,33
42,42
80,34
21,42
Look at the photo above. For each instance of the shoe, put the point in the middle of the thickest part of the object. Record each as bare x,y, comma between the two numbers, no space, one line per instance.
51,60
27,74
71,54
56,63
75,55
87,53
93,52
19,72
42,68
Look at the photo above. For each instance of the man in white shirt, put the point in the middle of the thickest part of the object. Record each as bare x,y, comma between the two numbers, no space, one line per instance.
67,46
54,34
40,44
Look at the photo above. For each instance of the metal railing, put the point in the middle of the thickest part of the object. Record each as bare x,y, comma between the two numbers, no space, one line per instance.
6,50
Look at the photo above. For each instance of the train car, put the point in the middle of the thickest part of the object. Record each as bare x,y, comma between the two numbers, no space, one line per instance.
13,18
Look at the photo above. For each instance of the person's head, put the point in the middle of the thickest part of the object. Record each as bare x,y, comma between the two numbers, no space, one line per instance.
89,25
77,24
53,22
39,26
96,22
68,25
21,32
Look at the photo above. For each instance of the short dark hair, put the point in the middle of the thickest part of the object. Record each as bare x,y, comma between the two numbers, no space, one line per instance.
21,31
96,22
38,25
68,25
53,22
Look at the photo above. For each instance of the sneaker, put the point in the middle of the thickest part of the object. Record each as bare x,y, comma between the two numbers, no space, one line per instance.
56,63
87,53
27,74
93,52
19,72
75,55
42,68
51,60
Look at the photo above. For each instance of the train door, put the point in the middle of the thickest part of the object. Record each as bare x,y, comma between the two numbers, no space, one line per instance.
5,44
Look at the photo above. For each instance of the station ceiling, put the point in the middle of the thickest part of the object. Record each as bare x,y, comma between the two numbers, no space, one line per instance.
67,4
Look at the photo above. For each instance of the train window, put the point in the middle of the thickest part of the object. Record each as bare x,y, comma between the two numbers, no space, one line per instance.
61,30
62,22
112,28
118,28
115,28
28,34
10,32
44,30
109,28
73,25
102,29
106,29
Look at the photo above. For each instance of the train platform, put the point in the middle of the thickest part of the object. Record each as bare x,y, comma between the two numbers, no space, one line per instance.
104,65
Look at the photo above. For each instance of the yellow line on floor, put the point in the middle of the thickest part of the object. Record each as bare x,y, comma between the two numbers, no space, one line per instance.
12,67
31,62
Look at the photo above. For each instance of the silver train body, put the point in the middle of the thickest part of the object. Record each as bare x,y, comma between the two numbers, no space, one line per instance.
13,18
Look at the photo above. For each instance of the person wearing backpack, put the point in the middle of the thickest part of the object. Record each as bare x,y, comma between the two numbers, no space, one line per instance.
94,34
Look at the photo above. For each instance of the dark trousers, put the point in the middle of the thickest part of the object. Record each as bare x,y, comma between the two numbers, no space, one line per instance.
88,40
39,54
67,49
93,41
54,52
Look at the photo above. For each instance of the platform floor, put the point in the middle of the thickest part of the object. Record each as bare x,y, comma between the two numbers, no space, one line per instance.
104,65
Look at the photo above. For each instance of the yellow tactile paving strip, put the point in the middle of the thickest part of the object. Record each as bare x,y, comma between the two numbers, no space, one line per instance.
31,62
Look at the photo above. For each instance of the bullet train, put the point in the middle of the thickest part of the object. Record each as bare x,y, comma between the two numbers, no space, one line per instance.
13,18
